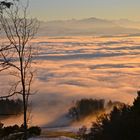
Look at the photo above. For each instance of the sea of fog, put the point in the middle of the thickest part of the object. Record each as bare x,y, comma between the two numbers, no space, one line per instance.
71,68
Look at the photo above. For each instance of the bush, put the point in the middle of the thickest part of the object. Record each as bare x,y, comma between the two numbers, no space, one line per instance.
34,131
15,132
5,131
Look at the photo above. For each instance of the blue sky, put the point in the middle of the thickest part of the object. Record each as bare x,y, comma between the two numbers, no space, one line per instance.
68,9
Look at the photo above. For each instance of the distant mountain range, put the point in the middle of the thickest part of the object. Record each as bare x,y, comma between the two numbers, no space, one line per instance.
89,26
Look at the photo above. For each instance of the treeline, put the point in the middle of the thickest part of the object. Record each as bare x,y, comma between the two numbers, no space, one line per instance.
10,107
120,124
17,132
85,107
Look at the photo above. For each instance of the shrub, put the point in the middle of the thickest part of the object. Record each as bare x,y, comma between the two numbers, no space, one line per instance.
34,131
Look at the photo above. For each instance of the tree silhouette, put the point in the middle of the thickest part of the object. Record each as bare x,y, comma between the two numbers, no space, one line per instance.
19,30
85,107
121,124
6,4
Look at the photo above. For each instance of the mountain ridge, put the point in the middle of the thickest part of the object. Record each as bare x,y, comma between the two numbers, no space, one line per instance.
89,26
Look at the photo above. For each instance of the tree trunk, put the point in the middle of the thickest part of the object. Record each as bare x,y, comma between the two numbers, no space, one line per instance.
24,98
25,117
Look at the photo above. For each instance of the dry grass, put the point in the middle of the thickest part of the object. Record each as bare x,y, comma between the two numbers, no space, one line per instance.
54,134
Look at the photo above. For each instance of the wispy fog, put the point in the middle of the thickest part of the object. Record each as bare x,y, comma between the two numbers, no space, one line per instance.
71,68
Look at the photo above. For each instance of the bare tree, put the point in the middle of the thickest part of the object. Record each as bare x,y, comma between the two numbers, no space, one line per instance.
3,5
18,56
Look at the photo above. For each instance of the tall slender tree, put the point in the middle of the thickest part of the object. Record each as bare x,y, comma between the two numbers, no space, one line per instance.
19,30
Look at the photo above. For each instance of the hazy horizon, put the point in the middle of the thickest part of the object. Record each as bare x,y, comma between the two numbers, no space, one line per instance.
65,9
91,26
88,17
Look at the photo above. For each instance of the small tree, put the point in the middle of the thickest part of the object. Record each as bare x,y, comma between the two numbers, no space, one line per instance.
19,30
